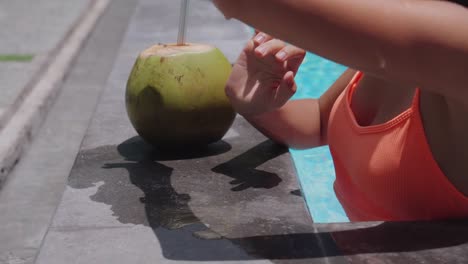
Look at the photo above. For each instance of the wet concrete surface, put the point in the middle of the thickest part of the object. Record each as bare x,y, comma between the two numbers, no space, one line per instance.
231,198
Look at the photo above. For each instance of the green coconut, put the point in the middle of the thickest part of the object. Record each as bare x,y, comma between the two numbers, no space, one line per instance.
175,95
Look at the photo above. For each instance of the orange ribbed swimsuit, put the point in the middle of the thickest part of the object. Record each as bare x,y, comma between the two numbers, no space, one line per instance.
387,171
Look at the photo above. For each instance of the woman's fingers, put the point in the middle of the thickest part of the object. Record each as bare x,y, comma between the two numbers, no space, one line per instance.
265,45
286,89
261,38
282,53
292,55
289,52
270,47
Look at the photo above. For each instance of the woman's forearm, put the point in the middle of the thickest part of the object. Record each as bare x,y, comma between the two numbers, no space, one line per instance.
295,125
418,42
302,124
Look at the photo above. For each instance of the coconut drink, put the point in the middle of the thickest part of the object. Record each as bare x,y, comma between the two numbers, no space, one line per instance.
175,94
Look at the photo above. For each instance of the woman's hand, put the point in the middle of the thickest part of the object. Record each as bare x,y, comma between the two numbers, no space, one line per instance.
262,79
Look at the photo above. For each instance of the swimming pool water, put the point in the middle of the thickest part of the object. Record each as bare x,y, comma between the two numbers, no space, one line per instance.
315,166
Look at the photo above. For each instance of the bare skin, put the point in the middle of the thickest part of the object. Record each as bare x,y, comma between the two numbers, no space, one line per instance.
409,44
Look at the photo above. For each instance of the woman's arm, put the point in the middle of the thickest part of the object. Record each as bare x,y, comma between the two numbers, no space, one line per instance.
302,124
424,43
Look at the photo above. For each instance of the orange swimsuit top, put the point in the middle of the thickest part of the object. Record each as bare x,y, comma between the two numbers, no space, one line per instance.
387,171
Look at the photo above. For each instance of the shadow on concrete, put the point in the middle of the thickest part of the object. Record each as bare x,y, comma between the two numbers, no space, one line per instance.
243,168
183,236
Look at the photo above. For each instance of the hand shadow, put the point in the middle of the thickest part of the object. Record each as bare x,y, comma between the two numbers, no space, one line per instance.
243,167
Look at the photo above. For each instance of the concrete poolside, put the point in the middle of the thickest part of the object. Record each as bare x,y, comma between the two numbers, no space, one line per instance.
30,31
235,202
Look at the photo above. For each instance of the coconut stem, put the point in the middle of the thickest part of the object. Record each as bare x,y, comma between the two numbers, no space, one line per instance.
182,23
